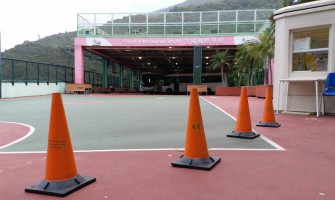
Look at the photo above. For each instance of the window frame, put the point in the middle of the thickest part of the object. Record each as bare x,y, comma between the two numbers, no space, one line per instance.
293,72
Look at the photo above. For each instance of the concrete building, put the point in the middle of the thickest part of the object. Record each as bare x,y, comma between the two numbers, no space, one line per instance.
304,55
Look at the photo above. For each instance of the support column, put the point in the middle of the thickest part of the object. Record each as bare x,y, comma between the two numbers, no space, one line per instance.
131,79
105,73
139,78
197,64
120,76
78,64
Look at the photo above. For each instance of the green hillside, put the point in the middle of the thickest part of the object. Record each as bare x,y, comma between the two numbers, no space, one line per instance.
199,5
55,49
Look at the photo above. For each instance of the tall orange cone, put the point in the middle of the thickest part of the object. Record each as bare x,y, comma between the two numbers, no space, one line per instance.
268,119
61,177
196,152
243,123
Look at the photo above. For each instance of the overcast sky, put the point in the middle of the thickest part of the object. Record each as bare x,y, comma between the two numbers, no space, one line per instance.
22,20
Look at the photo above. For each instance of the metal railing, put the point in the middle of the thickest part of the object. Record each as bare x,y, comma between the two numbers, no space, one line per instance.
14,70
22,71
166,24
93,78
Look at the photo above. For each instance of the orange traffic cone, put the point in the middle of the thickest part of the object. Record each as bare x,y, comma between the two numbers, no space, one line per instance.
196,152
61,177
243,123
268,119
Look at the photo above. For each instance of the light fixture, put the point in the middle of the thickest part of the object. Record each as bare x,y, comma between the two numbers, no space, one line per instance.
140,58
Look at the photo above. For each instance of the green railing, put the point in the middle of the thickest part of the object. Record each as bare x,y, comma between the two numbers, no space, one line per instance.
93,78
14,70
22,71
166,24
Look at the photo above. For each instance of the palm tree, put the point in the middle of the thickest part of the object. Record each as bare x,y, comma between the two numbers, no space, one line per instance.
264,49
218,61
247,59
257,53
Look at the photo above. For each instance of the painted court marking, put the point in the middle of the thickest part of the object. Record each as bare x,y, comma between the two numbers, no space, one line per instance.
136,150
275,145
31,131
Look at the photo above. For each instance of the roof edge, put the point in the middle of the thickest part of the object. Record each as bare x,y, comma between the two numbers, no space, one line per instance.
295,9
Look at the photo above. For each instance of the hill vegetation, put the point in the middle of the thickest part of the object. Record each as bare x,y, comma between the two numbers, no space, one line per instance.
55,49
58,48
195,5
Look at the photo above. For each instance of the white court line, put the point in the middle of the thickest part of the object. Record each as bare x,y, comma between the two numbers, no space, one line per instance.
27,102
32,130
136,150
275,145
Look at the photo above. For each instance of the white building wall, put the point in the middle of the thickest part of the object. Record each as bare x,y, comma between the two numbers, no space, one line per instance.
301,95
31,89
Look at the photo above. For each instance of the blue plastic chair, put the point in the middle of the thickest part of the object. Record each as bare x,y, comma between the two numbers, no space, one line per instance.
329,89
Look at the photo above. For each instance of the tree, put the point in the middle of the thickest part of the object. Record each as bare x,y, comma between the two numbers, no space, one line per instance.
245,59
218,61
257,54
264,49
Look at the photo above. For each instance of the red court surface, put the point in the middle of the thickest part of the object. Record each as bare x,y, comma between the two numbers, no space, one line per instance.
304,171
10,132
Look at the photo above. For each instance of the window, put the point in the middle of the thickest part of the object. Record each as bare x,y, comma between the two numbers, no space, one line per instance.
211,79
185,79
168,81
310,50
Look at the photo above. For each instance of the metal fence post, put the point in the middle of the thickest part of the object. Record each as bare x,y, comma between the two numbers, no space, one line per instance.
56,73
26,73
48,74
65,68
12,72
38,74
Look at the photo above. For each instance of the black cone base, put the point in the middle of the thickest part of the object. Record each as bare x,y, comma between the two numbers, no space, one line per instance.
245,135
197,163
268,124
61,188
